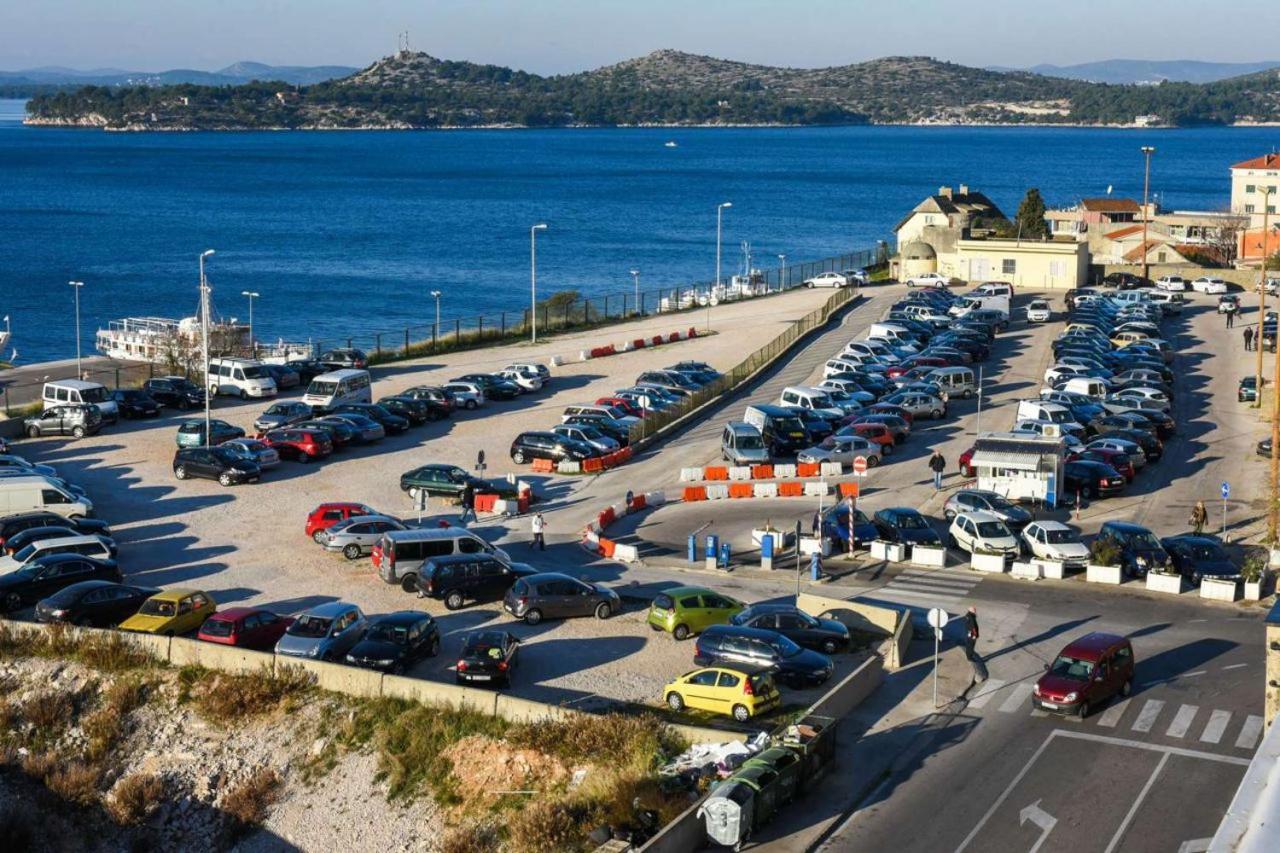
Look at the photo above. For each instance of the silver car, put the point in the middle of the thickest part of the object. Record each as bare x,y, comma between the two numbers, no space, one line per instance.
369,429
326,632
843,449
356,536
919,405
8,460
281,415
253,450
594,438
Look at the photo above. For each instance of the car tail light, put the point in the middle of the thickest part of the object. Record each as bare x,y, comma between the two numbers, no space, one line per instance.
522,601
747,689
462,666
502,666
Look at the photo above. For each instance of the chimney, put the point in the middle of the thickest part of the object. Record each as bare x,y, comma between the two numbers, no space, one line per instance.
945,192
964,189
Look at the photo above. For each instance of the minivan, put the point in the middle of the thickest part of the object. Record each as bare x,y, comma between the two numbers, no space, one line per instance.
1043,410
742,444
60,392
1088,672
400,554
241,377
459,578
898,335
955,381
813,399
86,545
339,386
783,432
25,494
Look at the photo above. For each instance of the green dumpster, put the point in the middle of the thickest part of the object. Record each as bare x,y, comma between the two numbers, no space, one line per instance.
786,763
768,799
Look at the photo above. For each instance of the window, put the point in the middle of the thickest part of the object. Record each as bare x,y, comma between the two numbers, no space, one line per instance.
63,395
53,496
468,545
1248,208
690,603
715,602
1249,188
1161,257
1009,266
706,678
728,679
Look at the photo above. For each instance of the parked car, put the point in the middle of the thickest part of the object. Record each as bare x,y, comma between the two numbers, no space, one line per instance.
1088,672
215,463
688,610
736,645
281,414
588,435
46,575
465,395
928,279
487,657
1091,479
60,530
1053,540
392,423
191,433
835,525
395,642
980,500
1228,303
1140,550
342,433
827,279
355,537
326,515
842,449
1209,284
284,375
1199,557
135,403
89,545
416,412
326,632
176,391
245,627
456,579
366,430
905,525
73,420
824,635
739,692
494,387
252,450
528,446
1247,390
12,525
171,612
982,532
432,394
556,595
300,445
337,359
1171,283
93,603
523,378
1121,462
1038,311
440,480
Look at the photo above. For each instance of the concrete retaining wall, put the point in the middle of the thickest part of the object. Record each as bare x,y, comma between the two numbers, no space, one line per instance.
682,835
896,656
337,678
435,693
850,692
855,614
1246,278
184,652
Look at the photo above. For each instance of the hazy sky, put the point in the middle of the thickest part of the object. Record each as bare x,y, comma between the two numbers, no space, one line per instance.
550,36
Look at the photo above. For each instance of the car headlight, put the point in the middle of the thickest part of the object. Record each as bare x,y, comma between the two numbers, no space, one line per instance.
387,662
313,652
1036,688
1071,697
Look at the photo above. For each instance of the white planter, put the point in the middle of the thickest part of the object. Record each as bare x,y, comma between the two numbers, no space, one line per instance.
895,552
1103,574
922,555
1170,584
1051,569
1219,590
780,540
879,549
1028,571
1275,558
1253,590
987,562
811,545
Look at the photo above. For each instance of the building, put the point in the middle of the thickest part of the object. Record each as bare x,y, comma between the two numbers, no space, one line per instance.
1020,467
942,219
1037,264
1108,210
1255,187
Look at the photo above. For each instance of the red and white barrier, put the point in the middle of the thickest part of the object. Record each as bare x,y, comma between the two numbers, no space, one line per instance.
636,343
594,540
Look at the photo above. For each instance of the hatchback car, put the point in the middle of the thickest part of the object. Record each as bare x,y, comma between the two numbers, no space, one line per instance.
135,403
355,537
60,530
1140,550
738,692
245,627
341,432
555,595
346,357
822,635
736,645
982,532
487,657
1200,557
905,525
45,576
1053,540
1088,672
215,463
1092,479
843,449
75,421
93,604
191,433
391,423
176,391
981,500
456,579
365,429
300,445
1247,390
326,632
528,446
416,412
252,450
835,526
171,612
11,525
494,386
688,610
328,514
588,435
465,395
395,642
441,480
284,413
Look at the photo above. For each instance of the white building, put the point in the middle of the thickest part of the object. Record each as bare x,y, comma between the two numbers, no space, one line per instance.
1255,187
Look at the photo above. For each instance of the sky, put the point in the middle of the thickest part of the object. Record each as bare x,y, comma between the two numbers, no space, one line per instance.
555,36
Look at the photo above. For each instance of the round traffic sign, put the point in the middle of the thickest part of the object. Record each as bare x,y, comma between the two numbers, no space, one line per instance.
938,618
859,464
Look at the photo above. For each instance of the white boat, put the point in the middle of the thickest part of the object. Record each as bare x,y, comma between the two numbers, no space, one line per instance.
164,340
671,144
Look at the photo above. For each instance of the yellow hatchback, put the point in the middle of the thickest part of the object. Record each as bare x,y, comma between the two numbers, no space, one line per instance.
171,612
740,693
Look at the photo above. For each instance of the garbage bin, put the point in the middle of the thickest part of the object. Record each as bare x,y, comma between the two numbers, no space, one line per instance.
814,738
786,763
727,813
764,780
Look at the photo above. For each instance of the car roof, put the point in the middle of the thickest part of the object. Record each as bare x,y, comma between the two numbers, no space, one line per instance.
1050,524
1126,526
329,609
176,594
741,631
979,516
401,617
773,607
234,614
1094,643
549,576
684,590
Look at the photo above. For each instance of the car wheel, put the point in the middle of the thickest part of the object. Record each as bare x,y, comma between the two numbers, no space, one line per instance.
533,616
471,404
967,394
224,479
1083,710
351,552
302,457
741,714
675,702
603,610
653,627
318,537
453,600
681,632
829,647
78,432
948,515
243,394
12,602
180,472
934,414
873,461
1127,688
518,457
33,432
213,390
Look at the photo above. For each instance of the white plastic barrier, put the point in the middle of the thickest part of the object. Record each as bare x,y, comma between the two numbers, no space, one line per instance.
655,498
740,472
716,493
628,346
555,361
506,507
584,355
626,553
690,475
832,469
766,490
592,535
817,489
784,472
567,467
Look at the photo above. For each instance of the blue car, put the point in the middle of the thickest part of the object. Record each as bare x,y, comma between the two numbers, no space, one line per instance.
1200,557
835,526
1140,550
905,525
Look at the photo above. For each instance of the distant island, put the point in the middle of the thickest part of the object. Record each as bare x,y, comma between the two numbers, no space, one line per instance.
666,88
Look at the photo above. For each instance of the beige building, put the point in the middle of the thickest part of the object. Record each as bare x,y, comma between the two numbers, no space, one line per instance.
1039,265
942,219
1255,187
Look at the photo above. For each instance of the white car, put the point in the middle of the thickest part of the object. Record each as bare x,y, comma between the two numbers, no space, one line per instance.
1065,371
928,279
1065,432
1228,304
466,395
526,380
843,449
1171,283
827,279
1209,284
1053,540
1039,311
982,531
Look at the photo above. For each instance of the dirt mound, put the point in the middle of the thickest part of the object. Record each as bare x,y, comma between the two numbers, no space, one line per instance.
484,767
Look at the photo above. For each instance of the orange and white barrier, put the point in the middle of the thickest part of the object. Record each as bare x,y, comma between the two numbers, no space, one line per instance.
788,489
739,473
594,540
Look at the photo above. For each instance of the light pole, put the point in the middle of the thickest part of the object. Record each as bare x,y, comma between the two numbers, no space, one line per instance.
635,276
719,232
435,333
253,347
782,271
533,280
204,342
1147,151
1262,295
77,285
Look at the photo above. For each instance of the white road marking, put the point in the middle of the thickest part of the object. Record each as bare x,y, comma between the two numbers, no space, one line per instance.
1041,818
1182,720
1147,716
1249,732
1232,666
1133,809
1004,795
1218,721
1112,715
989,689
1195,845
1017,698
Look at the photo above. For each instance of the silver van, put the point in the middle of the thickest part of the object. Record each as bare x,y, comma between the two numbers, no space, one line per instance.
955,381
742,444
400,554
62,392
29,494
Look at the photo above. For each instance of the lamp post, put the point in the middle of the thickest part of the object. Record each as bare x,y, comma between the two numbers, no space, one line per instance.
253,347
204,342
782,271
1147,151
435,331
719,233
77,285
635,276
1262,294
533,280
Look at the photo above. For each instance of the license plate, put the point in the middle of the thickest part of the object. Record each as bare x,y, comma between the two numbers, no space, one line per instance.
1049,705
479,678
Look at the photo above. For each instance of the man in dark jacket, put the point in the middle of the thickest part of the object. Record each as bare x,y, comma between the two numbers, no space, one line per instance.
970,632
468,503
937,465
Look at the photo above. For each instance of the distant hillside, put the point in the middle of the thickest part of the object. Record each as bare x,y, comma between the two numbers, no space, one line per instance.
1122,71
49,77
414,90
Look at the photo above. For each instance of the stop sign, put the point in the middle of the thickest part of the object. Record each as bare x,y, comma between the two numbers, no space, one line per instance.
859,464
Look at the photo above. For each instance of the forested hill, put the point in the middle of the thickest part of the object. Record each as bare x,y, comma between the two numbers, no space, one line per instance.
414,90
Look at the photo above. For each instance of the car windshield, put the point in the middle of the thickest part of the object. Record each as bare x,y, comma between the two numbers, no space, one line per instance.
252,371
95,395
217,628
910,522
1069,667
158,607
1000,504
1207,552
322,388
789,424
310,626
785,647
992,530
1144,540
1059,537
750,442
398,634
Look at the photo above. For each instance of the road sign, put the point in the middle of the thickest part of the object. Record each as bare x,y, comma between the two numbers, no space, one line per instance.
1226,490
938,618
860,465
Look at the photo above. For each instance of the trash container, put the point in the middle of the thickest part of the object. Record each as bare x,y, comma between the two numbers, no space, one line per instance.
764,780
814,738
727,813
786,763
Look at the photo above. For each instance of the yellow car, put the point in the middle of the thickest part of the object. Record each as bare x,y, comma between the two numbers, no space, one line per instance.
741,693
172,612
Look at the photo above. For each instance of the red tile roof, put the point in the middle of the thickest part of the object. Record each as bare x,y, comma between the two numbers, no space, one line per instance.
1266,161
1124,232
1139,252
1110,205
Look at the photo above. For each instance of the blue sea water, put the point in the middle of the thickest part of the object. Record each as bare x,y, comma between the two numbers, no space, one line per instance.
342,232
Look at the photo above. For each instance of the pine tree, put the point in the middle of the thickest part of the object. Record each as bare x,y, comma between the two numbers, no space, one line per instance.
1030,219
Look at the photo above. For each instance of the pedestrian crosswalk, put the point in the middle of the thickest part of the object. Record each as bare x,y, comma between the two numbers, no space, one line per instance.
1144,716
924,587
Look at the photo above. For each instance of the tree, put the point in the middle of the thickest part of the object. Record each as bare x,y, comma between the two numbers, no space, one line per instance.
1029,222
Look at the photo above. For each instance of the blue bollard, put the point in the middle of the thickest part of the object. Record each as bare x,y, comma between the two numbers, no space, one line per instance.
725,553
815,566
693,547
713,546
766,547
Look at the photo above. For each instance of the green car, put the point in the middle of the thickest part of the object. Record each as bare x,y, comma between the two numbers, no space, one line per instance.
191,433
448,481
689,610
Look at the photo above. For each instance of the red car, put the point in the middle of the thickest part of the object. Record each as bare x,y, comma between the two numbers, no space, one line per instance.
302,445
326,515
1088,672
966,464
245,627
878,433
625,405
1115,458
889,409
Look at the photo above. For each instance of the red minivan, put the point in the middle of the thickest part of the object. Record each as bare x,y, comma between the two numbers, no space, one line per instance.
327,515
1085,674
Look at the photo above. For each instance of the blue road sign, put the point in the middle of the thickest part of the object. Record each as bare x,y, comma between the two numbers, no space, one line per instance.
1226,490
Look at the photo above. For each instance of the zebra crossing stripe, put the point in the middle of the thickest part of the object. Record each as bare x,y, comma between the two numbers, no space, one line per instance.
1112,715
1249,732
1218,721
1017,698
989,689
1147,716
1182,720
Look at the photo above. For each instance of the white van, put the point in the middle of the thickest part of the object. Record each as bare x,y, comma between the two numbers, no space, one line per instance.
90,545
1089,386
892,332
240,377
1055,413
847,363
994,288
63,391
339,386
1129,297
813,399
29,494
975,301
955,381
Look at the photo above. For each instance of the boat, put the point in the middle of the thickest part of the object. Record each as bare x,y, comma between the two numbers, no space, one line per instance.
5,337
163,340
671,144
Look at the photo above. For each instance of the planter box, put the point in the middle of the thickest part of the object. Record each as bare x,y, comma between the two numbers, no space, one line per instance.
922,555
894,552
781,540
810,545
1103,574
879,549
987,563
1051,569
1253,589
1169,584
1219,590
1274,562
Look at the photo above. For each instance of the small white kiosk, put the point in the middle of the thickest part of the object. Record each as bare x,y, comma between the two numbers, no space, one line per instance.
1020,467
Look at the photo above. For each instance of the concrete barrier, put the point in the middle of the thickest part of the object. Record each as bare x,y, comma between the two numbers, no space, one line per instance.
626,553
1103,574
857,615
522,710
682,835
184,652
900,642
1027,571
851,690
931,557
766,490
350,680
434,693
1215,589
567,467
655,498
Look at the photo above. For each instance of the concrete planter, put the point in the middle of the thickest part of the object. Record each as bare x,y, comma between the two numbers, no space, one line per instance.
1051,569
810,545
1219,590
894,552
1170,584
1253,590
987,562
923,555
1103,574
781,540
1274,562
1028,571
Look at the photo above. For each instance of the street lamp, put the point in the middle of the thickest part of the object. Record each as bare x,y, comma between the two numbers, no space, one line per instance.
533,280
635,275
719,233
204,341
1147,151
435,334
782,271
77,285
253,347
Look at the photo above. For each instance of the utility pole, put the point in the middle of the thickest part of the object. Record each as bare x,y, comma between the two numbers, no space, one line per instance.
719,231
1262,297
77,285
635,275
204,343
1147,151
533,280
435,333
253,346
1273,510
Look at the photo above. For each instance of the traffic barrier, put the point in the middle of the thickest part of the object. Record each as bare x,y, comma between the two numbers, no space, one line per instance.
832,469
657,340
673,337
607,547
628,346
606,517
567,467
790,490
693,333
847,490
690,475
543,466
624,455
583,355
766,490
717,493
592,465
741,490
501,507
784,472
619,510
762,472
655,498
484,502
808,469
740,472
694,493
626,553
637,503
817,489
555,361
715,472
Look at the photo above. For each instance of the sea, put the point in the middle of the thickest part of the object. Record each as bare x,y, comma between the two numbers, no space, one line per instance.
348,232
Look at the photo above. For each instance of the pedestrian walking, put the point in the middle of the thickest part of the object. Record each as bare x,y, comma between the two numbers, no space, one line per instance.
1199,517
1231,319
816,524
537,524
1248,338
468,504
937,464
971,633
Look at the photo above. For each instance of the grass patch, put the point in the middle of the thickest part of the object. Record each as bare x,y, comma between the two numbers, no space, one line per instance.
134,797
226,698
636,742
76,782
471,837
248,802
108,651
47,713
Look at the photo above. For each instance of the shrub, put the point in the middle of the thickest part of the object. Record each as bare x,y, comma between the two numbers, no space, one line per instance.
635,741
1255,564
471,838
134,797
38,765
76,782
101,729
111,652
47,713
224,698
1104,551
552,825
247,803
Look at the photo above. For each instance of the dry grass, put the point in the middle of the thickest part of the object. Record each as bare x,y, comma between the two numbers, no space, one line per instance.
474,837
134,797
39,764
106,651
248,802
634,742
546,825
47,713
76,782
226,698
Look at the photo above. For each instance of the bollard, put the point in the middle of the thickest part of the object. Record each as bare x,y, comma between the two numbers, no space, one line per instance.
713,546
693,547
815,566
766,551
726,553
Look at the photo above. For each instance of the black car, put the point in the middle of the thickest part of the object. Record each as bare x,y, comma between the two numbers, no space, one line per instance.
176,391
93,603
905,525
308,369
528,446
391,423
340,432
1263,448
18,541
44,576
604,425
439,479
755,647
214,463
12,525
1162,422
1199,557
1140,550
1151,446
442,397
347,357
1091,479
488,657
459,578
133,403
494,387
416,411
395,642
1247,390
823,635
